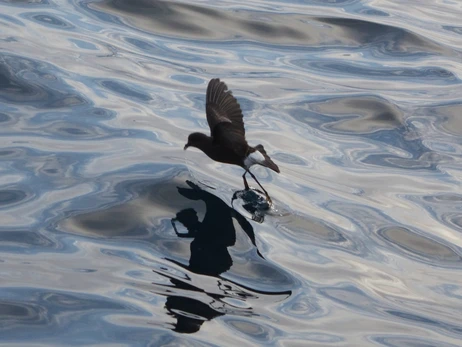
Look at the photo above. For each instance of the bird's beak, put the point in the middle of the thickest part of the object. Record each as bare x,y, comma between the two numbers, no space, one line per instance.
186,146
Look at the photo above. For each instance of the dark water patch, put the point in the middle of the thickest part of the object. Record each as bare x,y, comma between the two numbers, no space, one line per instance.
271,30
23,80
7,153
14,314
48,20
113,222
419,247
13,89
141,201
4,118
11,153
359,114
207,23
73,131
100,113
24,241
163,15
391,40
194,21
9,197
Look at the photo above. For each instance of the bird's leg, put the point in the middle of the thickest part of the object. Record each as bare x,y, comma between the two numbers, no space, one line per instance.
245,180
266,193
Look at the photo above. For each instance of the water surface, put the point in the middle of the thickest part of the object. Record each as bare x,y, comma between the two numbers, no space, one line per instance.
112,235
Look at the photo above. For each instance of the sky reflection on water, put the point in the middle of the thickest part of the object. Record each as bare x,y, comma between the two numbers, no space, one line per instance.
108,236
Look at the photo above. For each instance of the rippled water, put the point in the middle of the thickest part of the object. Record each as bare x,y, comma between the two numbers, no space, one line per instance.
109,235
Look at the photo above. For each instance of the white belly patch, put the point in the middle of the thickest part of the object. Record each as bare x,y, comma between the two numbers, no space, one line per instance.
254,158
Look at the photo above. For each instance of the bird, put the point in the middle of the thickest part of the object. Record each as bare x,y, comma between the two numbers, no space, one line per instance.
227,142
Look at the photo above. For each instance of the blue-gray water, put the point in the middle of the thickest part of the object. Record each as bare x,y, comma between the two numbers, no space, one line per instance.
109,234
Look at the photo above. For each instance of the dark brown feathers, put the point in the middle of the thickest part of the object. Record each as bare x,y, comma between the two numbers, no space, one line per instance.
224,116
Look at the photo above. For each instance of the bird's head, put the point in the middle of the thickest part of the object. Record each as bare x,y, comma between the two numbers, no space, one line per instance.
197,140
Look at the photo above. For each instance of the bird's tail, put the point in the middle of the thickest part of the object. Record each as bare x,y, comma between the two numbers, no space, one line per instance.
268,162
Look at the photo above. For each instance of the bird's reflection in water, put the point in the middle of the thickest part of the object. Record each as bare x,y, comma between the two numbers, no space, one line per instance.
212,236
253,203
200,302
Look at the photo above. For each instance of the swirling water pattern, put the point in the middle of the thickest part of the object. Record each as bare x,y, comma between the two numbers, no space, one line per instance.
107,236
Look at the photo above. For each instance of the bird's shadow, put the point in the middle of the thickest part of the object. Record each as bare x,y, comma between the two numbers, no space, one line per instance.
214,234
210,256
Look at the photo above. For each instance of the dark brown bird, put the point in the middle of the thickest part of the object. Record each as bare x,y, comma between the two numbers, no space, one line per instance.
227,143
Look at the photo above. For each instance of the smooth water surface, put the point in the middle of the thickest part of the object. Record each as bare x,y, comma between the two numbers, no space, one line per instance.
112,235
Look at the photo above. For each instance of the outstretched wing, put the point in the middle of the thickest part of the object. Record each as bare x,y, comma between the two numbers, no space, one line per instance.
224,116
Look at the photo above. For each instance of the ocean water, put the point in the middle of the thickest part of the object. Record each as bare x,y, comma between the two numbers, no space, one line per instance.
111,234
